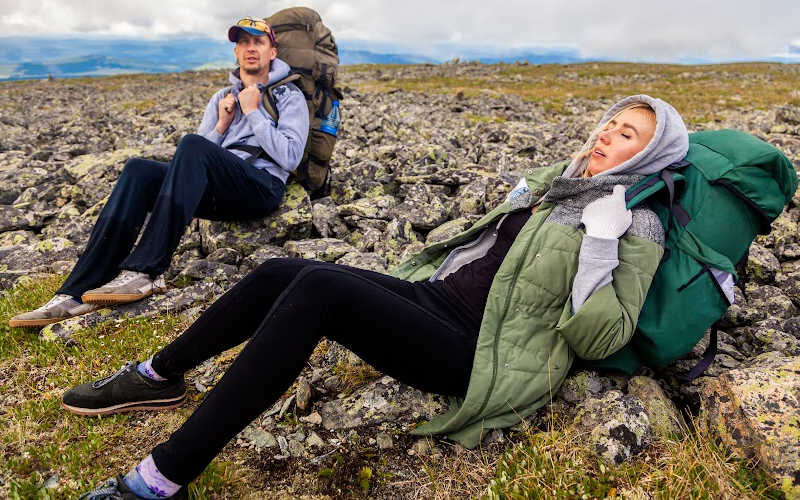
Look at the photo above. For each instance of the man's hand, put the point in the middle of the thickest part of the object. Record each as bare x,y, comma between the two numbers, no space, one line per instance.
226,112
248,99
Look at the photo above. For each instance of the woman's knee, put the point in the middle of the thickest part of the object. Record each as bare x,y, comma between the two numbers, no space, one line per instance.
281,268
320,277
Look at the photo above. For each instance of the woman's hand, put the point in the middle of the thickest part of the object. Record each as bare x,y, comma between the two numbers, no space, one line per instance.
607,217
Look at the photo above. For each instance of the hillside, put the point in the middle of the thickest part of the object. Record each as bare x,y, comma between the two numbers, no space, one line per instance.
424,151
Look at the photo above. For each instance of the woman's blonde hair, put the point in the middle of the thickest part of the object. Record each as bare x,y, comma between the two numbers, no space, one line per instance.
584,153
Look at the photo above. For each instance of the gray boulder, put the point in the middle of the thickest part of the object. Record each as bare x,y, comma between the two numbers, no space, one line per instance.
754,410
665,421
616,425
762,265
324,249
384,400
292,220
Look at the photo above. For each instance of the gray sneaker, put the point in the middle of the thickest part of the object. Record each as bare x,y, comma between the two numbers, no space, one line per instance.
116,489
129,286
59,308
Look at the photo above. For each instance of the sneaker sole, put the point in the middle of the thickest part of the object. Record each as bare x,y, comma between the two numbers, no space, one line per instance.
117,298
155,404
31,323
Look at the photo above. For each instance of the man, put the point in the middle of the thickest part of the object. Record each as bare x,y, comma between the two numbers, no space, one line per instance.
215,174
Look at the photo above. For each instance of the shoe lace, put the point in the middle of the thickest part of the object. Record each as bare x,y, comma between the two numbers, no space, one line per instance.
56,300
106,491
124,277
103,381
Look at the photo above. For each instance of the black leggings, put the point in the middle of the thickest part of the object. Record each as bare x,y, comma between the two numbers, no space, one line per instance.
410,331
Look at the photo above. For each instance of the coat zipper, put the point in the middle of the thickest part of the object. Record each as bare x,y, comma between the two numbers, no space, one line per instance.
497,331
455,251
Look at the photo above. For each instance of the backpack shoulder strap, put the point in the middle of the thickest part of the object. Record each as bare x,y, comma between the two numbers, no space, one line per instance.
654,183
269,98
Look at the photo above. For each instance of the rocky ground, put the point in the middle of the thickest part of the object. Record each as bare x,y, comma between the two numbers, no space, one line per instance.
409,169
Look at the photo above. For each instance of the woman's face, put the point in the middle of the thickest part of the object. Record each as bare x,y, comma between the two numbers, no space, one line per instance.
623,137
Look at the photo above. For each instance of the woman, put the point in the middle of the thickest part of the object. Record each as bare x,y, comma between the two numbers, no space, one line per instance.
560,269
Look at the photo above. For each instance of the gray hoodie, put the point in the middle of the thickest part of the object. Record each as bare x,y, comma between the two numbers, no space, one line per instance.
670,143
284,141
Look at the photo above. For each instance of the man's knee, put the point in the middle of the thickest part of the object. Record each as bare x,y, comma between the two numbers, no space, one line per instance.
194,141
137,169
132,166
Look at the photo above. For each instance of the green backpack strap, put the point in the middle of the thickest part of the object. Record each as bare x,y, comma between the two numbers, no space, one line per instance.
653,184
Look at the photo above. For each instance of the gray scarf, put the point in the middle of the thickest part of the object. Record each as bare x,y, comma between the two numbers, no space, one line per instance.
571,195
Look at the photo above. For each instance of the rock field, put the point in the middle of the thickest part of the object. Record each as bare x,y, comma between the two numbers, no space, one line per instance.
409,169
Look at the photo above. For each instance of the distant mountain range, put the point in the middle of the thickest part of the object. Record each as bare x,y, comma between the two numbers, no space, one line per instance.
67,57
29,58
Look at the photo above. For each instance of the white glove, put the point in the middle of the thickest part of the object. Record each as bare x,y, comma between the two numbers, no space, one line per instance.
607,217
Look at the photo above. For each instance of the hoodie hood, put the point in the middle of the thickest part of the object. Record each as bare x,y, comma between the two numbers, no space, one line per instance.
669,144
278,71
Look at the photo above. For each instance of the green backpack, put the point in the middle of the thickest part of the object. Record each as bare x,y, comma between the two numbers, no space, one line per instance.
728,189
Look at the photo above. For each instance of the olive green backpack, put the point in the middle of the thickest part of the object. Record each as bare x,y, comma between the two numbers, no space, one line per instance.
728,189
309,48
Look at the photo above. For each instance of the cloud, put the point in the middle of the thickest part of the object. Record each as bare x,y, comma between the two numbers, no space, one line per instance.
665,31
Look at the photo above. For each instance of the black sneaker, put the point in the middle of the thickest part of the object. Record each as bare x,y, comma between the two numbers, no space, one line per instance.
125,390
116,489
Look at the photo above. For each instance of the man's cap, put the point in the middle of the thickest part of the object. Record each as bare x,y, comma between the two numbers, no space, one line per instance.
257,27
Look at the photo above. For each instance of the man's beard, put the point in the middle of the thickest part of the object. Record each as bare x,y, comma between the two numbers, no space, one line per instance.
253,71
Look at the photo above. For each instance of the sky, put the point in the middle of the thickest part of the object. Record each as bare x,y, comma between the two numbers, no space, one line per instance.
655,31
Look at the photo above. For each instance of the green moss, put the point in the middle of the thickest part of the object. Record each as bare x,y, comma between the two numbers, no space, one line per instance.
140,106
484,119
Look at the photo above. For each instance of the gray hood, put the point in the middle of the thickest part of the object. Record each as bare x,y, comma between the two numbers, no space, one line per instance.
669,144
278,70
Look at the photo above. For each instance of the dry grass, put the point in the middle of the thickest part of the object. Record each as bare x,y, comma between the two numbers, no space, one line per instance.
698,92
461,473
354,373
557,463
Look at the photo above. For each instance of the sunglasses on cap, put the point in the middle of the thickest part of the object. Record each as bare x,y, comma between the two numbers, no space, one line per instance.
256,27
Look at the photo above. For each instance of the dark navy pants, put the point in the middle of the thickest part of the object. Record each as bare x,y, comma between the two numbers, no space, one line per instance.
203,180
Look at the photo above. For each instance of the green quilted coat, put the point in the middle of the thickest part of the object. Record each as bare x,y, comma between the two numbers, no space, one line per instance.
529,337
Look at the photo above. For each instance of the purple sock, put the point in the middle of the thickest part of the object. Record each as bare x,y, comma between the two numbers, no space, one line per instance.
146,369
146,481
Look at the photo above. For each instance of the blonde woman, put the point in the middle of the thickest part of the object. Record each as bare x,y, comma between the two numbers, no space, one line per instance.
495,316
